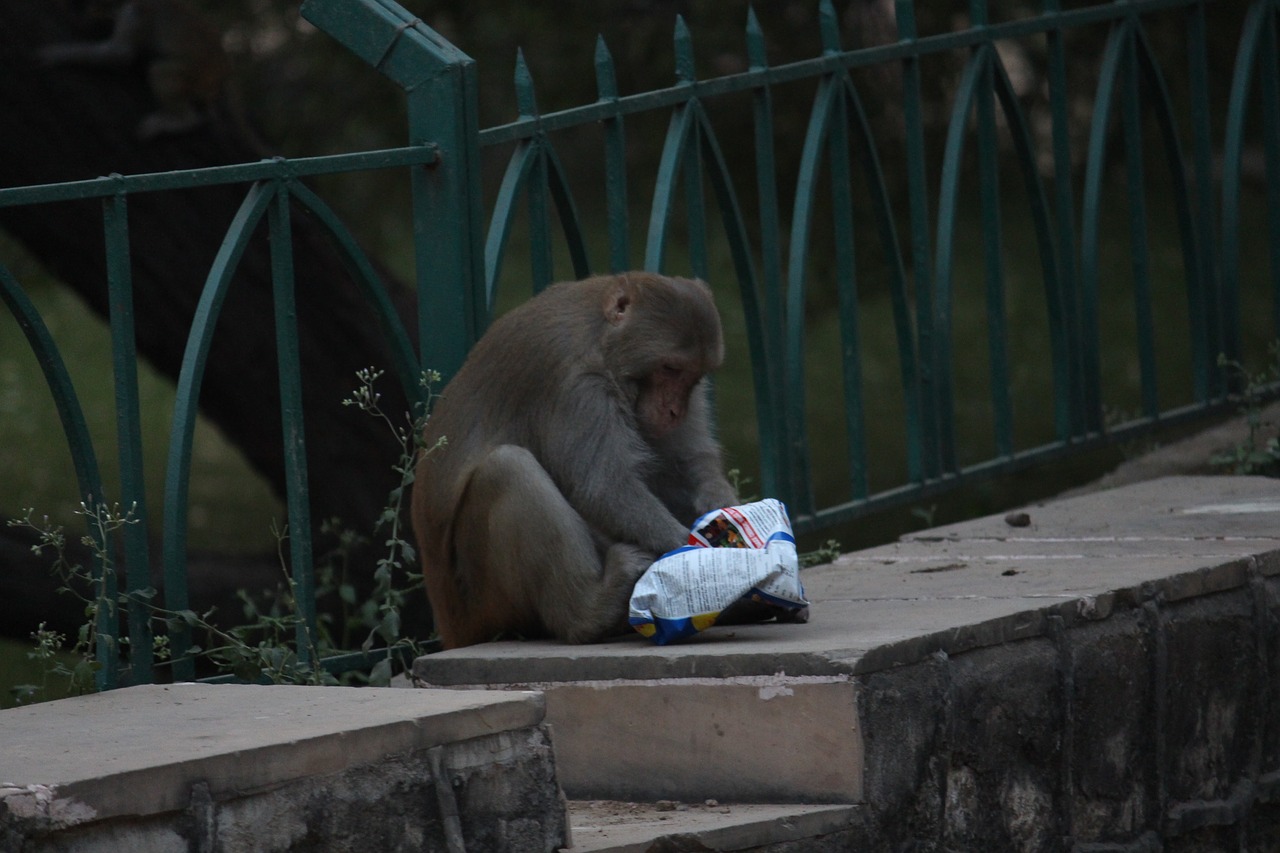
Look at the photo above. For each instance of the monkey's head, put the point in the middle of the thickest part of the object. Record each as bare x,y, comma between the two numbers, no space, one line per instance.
662,336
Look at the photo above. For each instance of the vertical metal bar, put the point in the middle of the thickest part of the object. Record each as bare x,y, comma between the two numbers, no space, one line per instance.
124,356
295,454
847,291
541,264
978,15
685,70
1091,214
695,206
772,410
1269,78
993,253
1256,22
448,219
1203,302
841,183
993,256
1066,217
802,215
615,163
828,28
921,261
1131,118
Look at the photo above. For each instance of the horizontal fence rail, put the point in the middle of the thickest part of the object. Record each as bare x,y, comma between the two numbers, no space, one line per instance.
881,249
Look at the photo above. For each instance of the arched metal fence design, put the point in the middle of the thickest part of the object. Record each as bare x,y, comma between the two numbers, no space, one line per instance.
462,254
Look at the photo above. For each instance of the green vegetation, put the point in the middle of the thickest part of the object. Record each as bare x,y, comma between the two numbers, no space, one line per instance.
33,670
263,646
1254,455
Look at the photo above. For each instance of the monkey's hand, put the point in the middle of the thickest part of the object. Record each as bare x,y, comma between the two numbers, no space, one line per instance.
663,534
714,493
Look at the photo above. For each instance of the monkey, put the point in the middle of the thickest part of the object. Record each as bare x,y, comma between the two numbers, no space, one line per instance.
577,449
187,68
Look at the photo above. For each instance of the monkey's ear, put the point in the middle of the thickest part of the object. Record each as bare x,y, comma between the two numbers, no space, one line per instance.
618,304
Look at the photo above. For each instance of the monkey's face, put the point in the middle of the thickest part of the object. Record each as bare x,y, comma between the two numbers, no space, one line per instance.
663,336
664,398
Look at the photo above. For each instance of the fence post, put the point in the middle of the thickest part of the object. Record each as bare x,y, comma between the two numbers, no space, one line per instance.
448,222
124,356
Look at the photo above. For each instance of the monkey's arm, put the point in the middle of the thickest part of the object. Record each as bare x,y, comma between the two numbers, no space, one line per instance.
695,461
600,468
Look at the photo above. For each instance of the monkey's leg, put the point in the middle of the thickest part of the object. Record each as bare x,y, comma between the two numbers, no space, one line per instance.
538,554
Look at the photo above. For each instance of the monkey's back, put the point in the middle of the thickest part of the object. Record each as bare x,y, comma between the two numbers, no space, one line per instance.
520,368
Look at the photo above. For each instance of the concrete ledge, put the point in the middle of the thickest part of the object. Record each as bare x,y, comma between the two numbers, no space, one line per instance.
238,767
1101,671
948,589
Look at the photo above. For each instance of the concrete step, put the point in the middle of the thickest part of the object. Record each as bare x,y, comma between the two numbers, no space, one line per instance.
610,826
231,768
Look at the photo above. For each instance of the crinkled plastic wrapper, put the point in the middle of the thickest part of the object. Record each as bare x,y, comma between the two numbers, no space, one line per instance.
735,554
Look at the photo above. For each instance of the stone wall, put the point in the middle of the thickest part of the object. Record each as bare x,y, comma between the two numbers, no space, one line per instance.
1151,726
230,768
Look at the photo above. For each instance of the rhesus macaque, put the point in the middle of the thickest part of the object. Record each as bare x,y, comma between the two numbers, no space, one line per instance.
187,68
578,449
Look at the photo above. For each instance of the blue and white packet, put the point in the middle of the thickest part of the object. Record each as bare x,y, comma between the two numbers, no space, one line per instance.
734,554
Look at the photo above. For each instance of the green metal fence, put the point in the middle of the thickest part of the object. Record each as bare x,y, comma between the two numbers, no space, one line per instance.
899,238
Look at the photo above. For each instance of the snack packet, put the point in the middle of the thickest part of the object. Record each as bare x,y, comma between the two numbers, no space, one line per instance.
736,554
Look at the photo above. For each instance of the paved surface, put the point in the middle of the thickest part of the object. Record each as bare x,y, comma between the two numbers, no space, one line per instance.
949,588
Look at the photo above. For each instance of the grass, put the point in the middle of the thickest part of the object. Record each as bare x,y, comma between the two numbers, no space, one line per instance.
231,507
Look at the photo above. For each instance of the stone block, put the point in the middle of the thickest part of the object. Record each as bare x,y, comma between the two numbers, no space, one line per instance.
1113,775
1210,695
777,739
1005,718
1268,604
904,720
